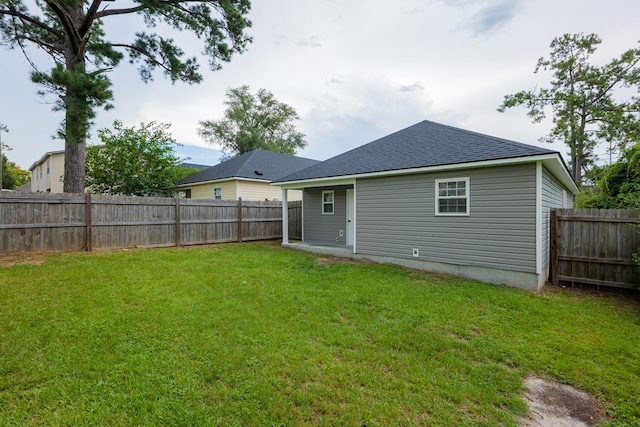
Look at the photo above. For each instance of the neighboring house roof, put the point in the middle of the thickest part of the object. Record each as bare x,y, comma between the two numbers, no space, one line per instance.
25,188
424,145
258,164
44,157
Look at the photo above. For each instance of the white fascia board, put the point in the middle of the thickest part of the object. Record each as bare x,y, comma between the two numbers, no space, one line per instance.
215,181
560,172
44,157
539,218
321,182
553,161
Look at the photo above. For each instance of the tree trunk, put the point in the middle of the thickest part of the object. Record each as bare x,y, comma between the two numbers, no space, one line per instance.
76,123
577,172
74,169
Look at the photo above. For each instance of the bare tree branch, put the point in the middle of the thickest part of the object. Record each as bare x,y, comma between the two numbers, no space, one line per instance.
110,12
145,53
16,14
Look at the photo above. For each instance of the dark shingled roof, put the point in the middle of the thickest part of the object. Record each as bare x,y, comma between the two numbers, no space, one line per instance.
424,144
194,166
257,164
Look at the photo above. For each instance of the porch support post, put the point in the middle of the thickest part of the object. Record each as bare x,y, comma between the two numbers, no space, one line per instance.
285,217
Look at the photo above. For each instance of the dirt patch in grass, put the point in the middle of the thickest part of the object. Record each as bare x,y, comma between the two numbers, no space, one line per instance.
430,278
11,260
558,405
341,260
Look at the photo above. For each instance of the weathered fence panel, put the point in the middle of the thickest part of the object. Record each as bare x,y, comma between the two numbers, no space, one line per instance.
595,247
32,222
204,221
124,222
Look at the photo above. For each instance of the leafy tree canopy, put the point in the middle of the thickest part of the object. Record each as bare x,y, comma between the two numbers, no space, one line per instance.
73,34
253,121
590,104
617,185
13,176
135,162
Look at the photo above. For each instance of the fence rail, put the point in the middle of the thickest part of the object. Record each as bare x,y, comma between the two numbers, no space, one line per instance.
595,247
43,222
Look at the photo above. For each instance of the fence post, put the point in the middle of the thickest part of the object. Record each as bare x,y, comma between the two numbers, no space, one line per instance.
239,219
177,221
553,246
88,219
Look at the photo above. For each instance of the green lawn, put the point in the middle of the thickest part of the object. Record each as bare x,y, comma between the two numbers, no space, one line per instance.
255,335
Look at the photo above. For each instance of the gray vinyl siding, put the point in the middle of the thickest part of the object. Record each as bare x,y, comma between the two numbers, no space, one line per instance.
396,214
552,197
325,229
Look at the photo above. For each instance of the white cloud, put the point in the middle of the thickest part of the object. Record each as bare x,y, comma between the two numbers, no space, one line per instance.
353,70
356,111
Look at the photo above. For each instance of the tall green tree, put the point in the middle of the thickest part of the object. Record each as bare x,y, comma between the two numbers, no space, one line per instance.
254,121
135,162
590,104
73,34
617,186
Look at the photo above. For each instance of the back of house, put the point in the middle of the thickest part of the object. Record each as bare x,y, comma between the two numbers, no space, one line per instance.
438,198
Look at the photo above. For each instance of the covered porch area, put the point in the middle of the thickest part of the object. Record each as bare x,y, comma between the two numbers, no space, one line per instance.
328,216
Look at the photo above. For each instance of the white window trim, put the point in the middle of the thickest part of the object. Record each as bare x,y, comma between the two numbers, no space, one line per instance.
214,193
437,197
333,202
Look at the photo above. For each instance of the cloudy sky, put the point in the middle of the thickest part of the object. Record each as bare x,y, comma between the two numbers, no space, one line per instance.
355,70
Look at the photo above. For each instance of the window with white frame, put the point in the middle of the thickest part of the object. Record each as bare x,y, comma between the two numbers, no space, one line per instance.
452,196
217,193
327,202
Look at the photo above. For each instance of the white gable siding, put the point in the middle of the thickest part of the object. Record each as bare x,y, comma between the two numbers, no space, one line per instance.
205,191
51,181
259,191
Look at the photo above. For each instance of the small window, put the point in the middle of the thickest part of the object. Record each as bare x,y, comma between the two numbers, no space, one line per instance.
327,202
217,193
452,196
184,194
48,166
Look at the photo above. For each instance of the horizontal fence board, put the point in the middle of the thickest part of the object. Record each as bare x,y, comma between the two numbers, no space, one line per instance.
596,260
41,225
70,222
593,282
596,219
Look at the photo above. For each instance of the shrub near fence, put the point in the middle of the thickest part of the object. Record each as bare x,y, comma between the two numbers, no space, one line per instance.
32,222
595,247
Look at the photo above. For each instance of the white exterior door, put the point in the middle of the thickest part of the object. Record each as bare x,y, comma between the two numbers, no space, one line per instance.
351,223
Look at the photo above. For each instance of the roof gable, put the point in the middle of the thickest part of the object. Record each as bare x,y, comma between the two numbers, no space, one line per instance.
257,164
425,144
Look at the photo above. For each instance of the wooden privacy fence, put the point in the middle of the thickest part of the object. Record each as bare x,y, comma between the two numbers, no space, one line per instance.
595,247
70,222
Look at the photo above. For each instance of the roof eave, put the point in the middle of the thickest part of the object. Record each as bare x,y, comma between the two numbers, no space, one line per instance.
44,157
215,181
551,160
